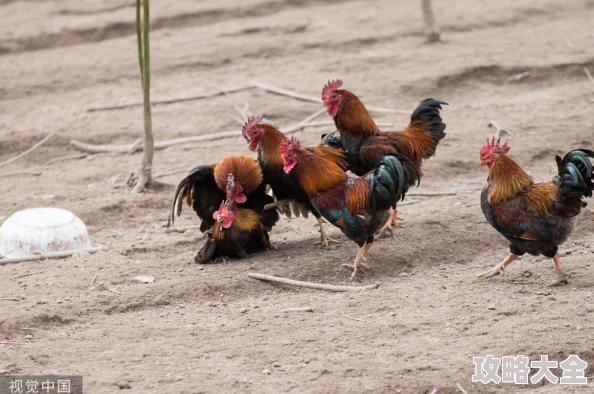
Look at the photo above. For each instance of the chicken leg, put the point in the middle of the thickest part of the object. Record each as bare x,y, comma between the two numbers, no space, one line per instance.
357,263
324,238
498,269
561,275
388,226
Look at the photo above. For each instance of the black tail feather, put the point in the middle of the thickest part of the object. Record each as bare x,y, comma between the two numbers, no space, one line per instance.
576,174
428,111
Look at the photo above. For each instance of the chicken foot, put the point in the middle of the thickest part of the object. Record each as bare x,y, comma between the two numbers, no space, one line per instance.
388,226
498,269
357,263
561,275
324,238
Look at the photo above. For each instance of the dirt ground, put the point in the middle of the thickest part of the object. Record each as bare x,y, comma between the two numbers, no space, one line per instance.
207,329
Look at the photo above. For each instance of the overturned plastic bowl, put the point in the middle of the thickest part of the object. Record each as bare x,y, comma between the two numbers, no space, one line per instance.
40,231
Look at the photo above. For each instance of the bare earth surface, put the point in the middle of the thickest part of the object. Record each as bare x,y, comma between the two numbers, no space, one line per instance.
206,329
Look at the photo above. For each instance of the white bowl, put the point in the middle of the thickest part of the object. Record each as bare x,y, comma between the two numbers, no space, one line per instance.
42,230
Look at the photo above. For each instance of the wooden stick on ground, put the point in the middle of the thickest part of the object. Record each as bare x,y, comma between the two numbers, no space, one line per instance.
461,388
516,78
25,153
15,173
36,329
310,285
500,131
65,158
24,275
182,229
305,97
172,100
432,194
9,299
352,318
588,74
302,309
172,172
52,255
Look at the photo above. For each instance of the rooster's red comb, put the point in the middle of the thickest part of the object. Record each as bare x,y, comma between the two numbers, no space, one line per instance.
290,144
330,87
251,122
493,146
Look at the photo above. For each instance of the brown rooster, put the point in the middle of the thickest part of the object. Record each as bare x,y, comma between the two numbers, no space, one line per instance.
359,207
535,217
266,140
232,187
365,145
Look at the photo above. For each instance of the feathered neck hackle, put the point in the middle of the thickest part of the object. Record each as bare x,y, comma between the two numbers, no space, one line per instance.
506,180
318,174
353,117
268,149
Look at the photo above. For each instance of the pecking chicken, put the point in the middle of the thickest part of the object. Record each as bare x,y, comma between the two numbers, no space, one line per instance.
266,140
365,145
535,217
360,206
231,188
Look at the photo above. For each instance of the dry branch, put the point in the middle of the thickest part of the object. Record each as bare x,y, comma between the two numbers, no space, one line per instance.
24,275
25,153
517,77
15,173
588,74
305,97
172,100
302,309
52,255
500,131
352,318
65,158
432,194
172,172
9,299
461,388
310,285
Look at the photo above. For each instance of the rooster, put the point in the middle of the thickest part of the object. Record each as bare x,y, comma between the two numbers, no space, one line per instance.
266,140
232,187
365,145
360,206
534,217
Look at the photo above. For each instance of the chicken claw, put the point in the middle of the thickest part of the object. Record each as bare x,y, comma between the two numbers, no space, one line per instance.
357,263
498,269
324,240
561,275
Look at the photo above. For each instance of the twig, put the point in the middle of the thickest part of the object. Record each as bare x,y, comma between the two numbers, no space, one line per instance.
500,130
352,318
432,194
461,388
434,391
31,149
65,158
9,299
408,202
310,285
517,77
114,291
181,229
11,343
172,172
305,97
93,281
15,173
300,126
588,74
24,275
172,100
52,255
303,309
37,329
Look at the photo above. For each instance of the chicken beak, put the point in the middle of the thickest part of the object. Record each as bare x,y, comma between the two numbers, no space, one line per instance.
482,163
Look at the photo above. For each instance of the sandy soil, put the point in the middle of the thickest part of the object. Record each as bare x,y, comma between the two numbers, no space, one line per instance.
206,329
